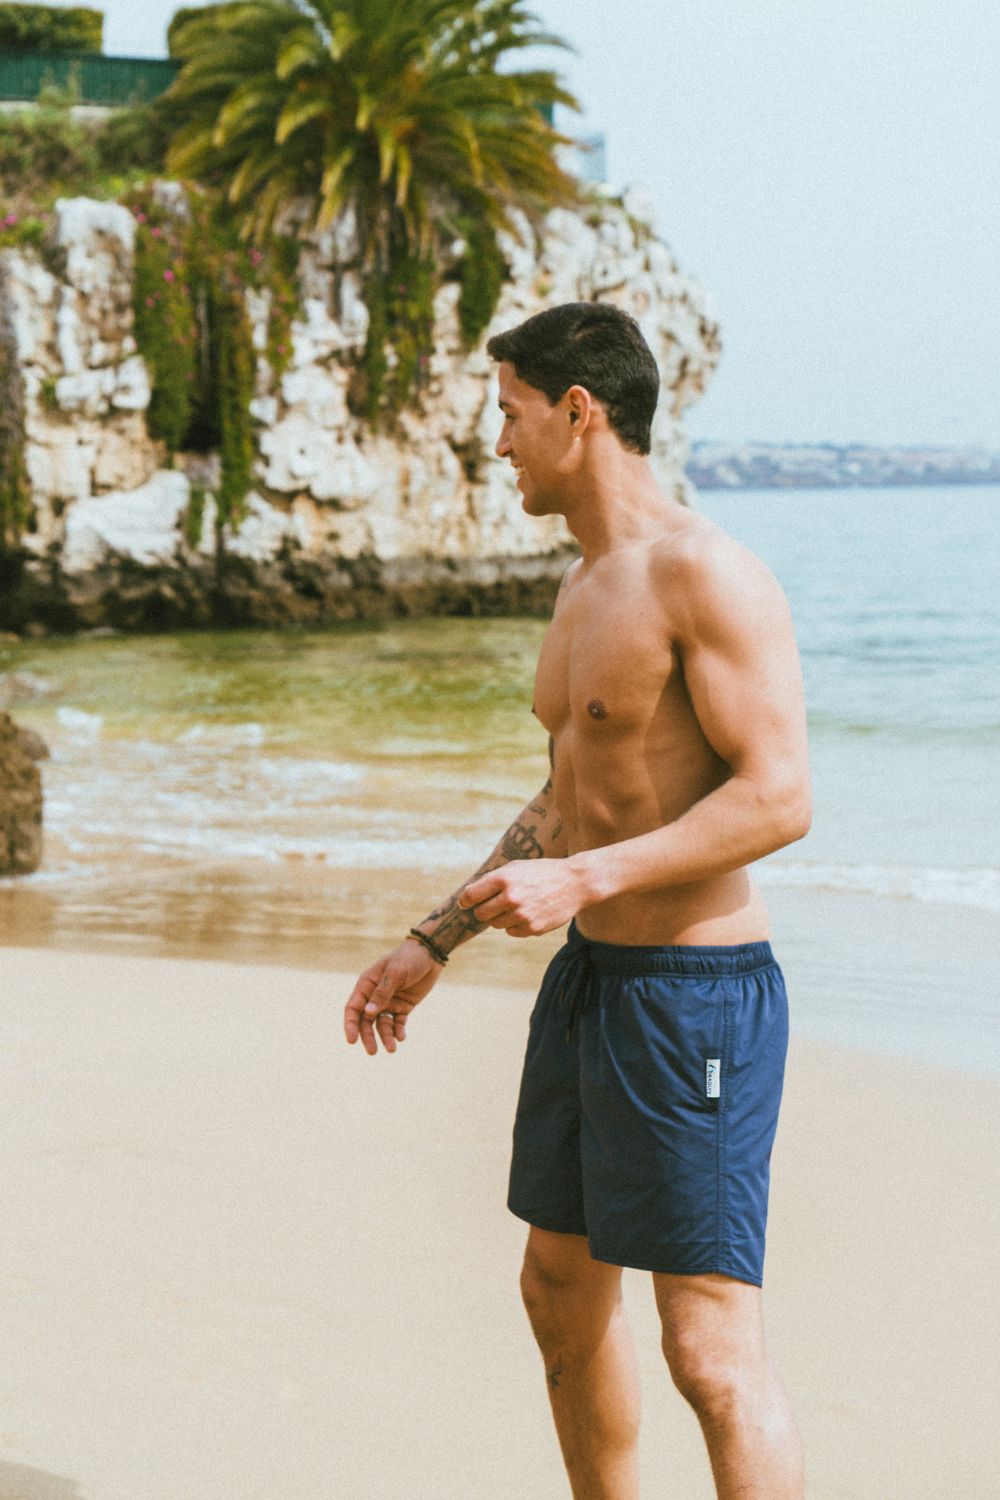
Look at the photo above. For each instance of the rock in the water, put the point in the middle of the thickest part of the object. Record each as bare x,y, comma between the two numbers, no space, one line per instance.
22,685
20,802
32,743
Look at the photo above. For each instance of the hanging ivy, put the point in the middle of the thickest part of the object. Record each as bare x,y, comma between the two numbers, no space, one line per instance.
165,325
15,491
235,392
482,272
400,301
191,326
278,266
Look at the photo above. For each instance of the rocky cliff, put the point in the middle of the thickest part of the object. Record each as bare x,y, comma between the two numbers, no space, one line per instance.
341,522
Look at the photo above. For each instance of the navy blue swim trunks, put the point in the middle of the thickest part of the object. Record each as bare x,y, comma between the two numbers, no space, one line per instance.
649,1102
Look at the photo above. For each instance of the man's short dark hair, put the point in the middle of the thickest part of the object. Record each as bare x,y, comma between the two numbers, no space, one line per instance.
595,345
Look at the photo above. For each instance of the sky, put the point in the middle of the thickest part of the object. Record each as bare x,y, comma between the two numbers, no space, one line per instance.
828,169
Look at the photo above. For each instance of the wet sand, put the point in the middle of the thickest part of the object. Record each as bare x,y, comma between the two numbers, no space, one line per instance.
240,1259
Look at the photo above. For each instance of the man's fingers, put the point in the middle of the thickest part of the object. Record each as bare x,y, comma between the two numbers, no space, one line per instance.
495,906
376,1010
354,1009
379,998
519,929
479,890
386,1026
367,1033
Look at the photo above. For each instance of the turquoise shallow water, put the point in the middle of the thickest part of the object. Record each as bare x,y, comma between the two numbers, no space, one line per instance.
270,794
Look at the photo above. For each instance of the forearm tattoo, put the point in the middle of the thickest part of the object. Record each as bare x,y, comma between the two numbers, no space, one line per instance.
453,924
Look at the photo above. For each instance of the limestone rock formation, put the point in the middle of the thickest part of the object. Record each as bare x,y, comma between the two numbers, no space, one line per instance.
341,521
20,799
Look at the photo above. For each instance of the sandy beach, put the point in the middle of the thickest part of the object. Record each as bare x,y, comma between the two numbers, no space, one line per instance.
238,1259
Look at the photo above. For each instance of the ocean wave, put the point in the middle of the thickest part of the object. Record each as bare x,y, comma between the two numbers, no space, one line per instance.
404,747
60,872
343,851
250,733
979,887
310,776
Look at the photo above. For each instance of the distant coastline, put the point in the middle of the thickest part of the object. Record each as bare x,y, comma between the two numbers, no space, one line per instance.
772,466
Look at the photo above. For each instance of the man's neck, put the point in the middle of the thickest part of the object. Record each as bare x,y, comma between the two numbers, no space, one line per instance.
616,504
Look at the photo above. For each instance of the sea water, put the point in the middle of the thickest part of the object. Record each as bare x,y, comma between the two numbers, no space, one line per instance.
298,795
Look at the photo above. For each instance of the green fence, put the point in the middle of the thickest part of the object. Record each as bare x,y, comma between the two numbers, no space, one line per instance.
98,80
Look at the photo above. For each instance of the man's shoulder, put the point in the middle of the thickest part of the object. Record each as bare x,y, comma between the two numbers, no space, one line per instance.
696,550
703,572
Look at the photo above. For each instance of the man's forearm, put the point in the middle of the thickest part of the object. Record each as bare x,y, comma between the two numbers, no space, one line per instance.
739,822
536,833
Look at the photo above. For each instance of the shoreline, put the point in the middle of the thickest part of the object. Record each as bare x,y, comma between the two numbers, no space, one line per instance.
880,974
223,1224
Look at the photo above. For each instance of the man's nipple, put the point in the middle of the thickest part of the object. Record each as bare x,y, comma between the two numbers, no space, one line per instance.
596,709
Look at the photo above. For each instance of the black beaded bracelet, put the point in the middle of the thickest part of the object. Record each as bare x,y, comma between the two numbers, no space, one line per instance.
438,954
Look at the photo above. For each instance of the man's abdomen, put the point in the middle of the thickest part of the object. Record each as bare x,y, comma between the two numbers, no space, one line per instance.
725,909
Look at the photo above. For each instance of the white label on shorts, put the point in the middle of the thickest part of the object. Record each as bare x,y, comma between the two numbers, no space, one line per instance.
713,1077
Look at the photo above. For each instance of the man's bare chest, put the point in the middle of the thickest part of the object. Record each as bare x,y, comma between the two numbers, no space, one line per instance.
608,671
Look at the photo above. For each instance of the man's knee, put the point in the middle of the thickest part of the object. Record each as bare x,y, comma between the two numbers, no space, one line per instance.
711,1379
566,1294
548,1288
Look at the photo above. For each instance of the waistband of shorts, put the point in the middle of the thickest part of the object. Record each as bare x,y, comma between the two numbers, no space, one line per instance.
684,959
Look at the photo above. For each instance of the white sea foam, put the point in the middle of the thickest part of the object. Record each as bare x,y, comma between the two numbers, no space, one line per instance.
250,733
404,746
314,777
80,724
978,887
69,874
338,851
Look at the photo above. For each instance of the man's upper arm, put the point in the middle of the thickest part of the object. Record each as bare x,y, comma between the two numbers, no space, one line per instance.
740,662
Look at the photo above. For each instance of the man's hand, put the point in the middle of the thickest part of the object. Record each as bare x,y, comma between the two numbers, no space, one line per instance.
528,897
386,993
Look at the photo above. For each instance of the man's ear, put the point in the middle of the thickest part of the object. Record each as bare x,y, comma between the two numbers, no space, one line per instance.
580,407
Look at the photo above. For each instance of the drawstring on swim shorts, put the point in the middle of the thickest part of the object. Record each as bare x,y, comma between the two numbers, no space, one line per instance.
576,983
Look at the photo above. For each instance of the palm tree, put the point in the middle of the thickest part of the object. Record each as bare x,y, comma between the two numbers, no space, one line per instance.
394,108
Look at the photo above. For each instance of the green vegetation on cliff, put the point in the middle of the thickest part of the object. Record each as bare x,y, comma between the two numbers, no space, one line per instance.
47,28
191,326
396,111
15,495
402,119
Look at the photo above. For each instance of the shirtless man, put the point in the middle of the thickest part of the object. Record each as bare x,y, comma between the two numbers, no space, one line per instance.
669,685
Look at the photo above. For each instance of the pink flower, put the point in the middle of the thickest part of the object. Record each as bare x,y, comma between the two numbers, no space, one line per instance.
168,275
140,216
150,301
156,233
11,219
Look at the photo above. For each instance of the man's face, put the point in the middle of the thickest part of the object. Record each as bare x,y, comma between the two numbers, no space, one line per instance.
536,439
